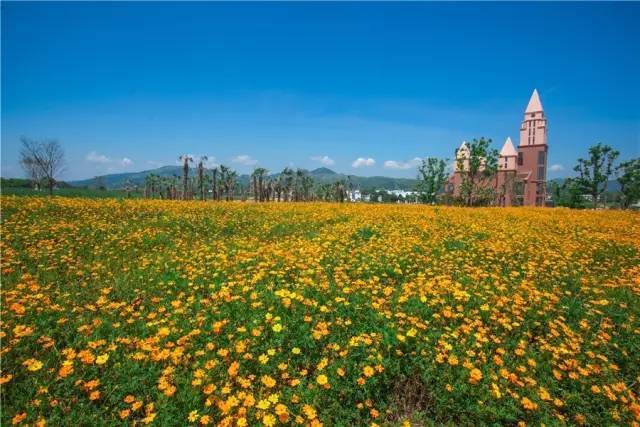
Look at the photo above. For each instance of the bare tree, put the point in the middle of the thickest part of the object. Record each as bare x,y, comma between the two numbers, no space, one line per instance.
42,160
201,186
185,174
214,174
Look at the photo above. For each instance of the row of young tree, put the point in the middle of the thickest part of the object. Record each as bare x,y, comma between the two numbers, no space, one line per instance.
478,170
221,183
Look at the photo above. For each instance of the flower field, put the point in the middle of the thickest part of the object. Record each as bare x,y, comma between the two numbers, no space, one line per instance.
176,313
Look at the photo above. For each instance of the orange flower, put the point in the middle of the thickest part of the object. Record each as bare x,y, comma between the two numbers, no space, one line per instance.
268,381
528,404
475,376
233,369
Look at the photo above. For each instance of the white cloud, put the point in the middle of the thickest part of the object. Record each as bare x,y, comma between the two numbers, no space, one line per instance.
325,160
94,157
111,164
556,168
362,162
211,162
244,159
393,164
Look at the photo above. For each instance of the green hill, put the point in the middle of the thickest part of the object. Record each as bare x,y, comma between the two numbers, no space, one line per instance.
320,175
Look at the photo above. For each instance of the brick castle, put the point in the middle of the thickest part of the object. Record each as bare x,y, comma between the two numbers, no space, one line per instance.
521,176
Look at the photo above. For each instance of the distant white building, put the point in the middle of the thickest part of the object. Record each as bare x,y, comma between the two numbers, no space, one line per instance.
402,193
355,196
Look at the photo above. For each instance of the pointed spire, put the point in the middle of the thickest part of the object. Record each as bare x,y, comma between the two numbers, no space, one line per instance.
534,103
463,151
508,149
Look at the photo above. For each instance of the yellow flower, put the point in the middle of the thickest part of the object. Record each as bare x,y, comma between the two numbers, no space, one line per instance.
309,412
273,398
102,359
269,420
268,381
368,371
295,350
32,364
277,327
263,404
322,379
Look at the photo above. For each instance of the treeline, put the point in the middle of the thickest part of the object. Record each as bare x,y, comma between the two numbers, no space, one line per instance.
221,183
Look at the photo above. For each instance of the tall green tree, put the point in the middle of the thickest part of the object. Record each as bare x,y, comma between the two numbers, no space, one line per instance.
595,171
629,178
432,176
477,168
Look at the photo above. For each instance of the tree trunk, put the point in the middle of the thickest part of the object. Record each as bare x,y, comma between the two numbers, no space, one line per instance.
215,184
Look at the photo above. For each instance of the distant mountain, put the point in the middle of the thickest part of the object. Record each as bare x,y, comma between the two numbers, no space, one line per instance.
320,175
613,186
322,171
119,180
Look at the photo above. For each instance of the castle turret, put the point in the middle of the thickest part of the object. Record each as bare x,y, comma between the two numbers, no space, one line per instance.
507,172
462,154
532,155
508,156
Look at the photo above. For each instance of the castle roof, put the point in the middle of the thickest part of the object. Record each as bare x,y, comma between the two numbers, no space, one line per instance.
508,149
534,103
463,151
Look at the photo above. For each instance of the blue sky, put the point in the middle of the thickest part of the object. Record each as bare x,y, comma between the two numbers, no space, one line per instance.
129,86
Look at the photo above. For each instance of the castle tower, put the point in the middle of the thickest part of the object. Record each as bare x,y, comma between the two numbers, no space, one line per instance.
532,153
507,172
462,155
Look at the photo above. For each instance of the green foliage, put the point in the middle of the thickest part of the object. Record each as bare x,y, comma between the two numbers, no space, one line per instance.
595,171
477,166
91,193
629,182
567,194
431,176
